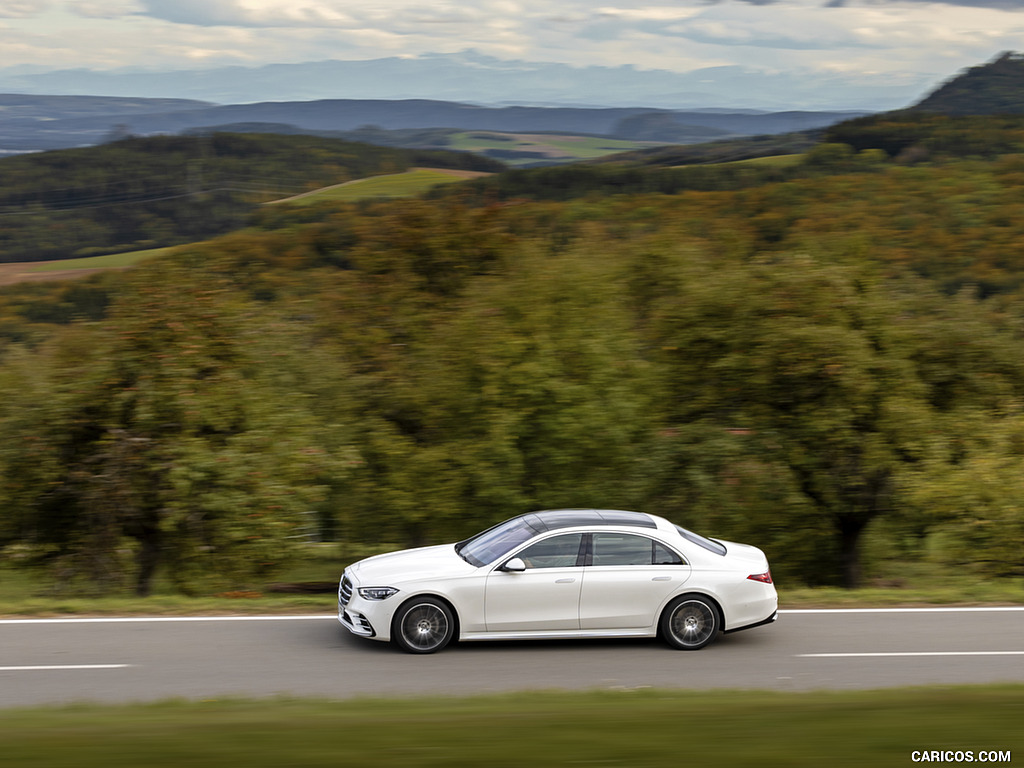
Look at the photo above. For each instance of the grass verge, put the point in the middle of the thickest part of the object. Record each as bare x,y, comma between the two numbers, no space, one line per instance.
634,728
26,592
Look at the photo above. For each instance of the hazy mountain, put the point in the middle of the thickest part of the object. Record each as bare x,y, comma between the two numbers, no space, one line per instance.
34,125
475,78
45,108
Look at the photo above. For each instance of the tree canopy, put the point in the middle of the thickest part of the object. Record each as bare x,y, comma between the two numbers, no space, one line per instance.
824,363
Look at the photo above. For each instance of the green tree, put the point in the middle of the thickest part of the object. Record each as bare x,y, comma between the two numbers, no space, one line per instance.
162,428
798,359
528,393
974,503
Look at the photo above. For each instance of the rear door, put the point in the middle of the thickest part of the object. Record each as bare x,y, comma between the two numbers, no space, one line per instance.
626,580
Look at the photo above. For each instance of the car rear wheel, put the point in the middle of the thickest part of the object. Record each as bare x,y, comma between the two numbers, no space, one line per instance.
690,622
423,625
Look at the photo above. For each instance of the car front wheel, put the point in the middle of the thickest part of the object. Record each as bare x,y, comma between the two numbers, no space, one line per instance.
690,622
423,625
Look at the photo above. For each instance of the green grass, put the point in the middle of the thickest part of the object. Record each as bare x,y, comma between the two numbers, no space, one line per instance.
558,148
585,147
103,262
779,161
956,591
635,729
408,184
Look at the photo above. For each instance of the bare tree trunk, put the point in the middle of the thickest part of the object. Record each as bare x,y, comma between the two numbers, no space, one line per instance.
850,531
147,560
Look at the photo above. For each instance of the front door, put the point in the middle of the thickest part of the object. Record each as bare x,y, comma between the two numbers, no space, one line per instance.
546,596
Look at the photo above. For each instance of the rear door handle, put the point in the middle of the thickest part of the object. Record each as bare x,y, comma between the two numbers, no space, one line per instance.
662,578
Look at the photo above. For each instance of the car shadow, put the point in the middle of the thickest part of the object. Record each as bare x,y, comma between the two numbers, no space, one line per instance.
342,638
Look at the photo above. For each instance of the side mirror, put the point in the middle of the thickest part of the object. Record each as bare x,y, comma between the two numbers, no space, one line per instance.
516,564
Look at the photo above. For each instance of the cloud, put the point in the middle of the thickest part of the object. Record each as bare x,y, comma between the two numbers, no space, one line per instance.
862,37
104,9
23,9
998,5
1010,5
402,14
199,13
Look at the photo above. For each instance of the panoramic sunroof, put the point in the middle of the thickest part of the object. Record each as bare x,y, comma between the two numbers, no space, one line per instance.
566,518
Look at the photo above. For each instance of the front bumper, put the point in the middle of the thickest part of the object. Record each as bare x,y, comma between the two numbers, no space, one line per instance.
355,614
356,623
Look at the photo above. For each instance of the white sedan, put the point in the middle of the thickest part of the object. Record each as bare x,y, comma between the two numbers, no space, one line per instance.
564,573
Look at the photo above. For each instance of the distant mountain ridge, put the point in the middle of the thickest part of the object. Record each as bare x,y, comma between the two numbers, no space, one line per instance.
51,126
45,107
38,122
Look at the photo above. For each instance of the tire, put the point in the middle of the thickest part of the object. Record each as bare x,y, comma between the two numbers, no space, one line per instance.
690,622
422,625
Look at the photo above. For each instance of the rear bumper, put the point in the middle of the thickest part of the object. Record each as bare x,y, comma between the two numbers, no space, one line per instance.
769,620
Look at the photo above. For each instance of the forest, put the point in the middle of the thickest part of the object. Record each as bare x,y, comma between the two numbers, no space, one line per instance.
138,193
821,358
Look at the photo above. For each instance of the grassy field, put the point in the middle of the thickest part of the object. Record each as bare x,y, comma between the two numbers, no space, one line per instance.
550,147
35,271
630,728
779,161
114,260
408,184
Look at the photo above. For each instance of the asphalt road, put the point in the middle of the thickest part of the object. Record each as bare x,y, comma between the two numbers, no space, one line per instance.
124,660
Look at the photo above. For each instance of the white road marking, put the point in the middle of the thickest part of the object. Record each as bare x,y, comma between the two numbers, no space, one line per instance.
158,619
943,609
61,667
906,653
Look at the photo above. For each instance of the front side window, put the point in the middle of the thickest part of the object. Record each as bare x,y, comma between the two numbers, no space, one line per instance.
629,549
557,552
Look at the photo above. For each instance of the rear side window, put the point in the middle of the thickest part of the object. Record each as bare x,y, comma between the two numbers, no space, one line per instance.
695,538
665,556
629,549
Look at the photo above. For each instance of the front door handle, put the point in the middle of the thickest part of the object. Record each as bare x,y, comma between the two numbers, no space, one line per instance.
564,581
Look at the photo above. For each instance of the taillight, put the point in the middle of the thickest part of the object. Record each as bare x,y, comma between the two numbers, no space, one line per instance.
764,578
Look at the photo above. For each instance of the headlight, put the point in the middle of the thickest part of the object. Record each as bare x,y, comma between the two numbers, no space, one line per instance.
376,593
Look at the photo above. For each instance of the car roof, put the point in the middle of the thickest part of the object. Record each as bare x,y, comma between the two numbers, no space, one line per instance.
552,519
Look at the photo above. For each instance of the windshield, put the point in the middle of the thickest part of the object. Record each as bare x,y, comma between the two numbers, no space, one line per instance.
488,546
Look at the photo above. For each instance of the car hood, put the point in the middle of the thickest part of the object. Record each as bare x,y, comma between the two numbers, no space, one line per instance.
407,564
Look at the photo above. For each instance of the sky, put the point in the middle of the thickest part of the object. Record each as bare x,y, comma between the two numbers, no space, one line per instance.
890,39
